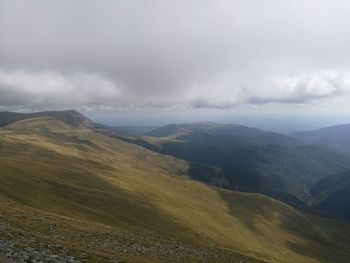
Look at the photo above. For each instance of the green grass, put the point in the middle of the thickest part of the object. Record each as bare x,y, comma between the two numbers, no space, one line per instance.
99,180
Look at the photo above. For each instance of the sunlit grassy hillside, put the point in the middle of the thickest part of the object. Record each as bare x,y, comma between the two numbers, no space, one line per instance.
88,178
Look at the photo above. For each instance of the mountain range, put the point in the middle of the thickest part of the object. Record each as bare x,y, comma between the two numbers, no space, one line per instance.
280,166
67,183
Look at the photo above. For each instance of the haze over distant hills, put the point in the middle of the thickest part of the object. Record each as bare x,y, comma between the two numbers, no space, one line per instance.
336,137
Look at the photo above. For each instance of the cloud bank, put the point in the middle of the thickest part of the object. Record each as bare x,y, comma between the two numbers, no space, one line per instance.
172,54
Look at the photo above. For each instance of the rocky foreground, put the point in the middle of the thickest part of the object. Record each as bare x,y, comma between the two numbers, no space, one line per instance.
28,235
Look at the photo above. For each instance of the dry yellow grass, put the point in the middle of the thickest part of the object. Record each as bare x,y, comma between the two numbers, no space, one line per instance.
92,177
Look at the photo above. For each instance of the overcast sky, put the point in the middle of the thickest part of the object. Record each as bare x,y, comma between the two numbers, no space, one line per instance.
190,58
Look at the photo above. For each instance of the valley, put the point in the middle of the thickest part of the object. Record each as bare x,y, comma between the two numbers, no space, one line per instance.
249,160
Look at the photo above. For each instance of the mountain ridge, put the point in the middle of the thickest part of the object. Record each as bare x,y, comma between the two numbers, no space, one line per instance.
248,166
72,117
95,178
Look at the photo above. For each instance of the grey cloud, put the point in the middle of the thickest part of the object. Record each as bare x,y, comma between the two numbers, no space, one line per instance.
206,104
33,90
290,100
149,53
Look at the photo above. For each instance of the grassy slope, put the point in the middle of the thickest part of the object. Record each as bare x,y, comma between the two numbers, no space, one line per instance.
87,241
98,179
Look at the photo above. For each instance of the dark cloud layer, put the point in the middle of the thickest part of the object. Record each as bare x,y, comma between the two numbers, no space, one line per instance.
173,54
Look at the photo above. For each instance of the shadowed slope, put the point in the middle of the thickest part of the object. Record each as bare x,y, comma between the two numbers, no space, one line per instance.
332,195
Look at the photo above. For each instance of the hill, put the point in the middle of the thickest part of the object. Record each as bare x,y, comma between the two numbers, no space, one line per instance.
273,138
65,190
332,195
71,118
336,137
213,133
210,128
167,130
267,162
133,129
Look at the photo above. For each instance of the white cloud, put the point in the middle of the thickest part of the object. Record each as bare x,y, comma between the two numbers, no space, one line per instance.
52,89
304,88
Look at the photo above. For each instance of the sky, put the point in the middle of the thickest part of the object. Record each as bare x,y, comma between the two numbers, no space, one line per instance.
160,61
